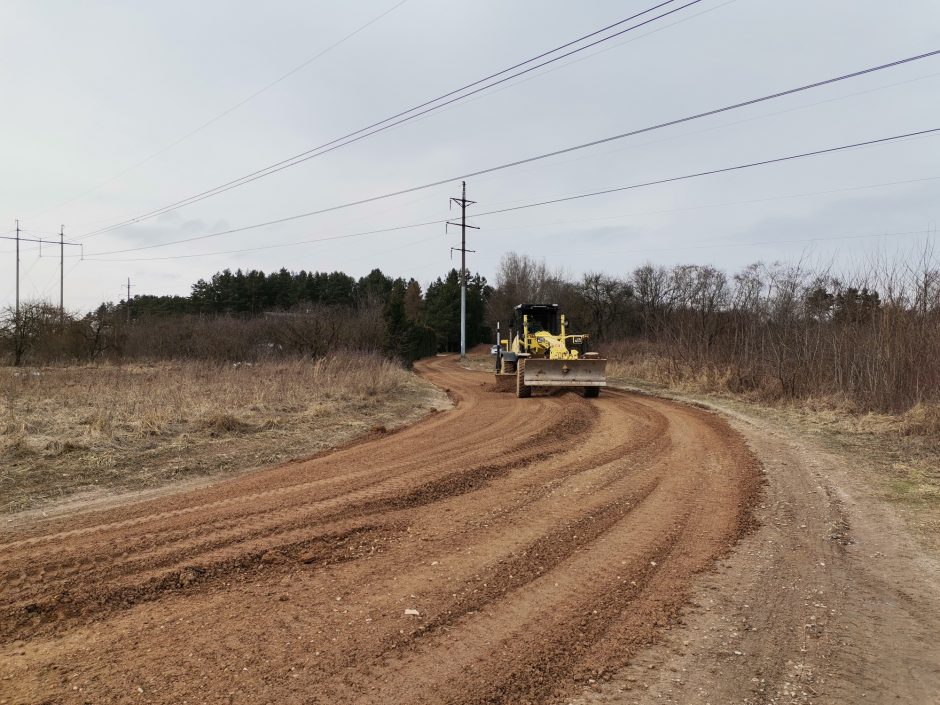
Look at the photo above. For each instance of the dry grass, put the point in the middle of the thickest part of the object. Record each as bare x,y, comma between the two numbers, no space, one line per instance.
645,363
896,454
479,359
640,364
71,429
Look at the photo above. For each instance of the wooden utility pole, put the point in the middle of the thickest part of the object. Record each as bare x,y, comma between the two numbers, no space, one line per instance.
463,203
128,302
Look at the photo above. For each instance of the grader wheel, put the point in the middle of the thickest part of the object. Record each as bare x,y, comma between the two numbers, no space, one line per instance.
523,391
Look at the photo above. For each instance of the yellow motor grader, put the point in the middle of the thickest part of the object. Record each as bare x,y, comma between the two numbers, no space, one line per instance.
540,352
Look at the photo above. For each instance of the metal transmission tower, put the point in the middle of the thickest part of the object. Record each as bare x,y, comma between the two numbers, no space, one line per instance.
463,203
17,319
61,275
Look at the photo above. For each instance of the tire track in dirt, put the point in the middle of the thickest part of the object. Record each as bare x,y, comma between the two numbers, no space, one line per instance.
280,495
830,600
171,547
170,566
544,540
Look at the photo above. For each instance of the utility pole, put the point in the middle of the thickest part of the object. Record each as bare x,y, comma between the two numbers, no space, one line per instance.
463,203
62,276
128,301
17,327
17,319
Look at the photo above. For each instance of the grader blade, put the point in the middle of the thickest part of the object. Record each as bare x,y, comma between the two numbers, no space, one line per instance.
565,373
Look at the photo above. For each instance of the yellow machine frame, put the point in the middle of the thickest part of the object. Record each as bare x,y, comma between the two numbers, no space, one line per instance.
540,358
542,343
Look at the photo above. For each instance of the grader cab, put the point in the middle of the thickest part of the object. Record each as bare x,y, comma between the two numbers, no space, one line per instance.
540,352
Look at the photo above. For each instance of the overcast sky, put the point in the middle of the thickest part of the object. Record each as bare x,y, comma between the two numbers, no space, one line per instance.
91,89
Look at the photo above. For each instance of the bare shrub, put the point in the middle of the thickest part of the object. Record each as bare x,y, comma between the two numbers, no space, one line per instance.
43,338
522,279
922,420
870,342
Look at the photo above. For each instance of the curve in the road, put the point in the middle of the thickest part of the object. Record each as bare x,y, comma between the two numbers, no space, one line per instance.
541,541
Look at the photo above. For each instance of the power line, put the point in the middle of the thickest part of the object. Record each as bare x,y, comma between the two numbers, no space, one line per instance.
736,167
645,250
558,152
406,115
29,239
228,110
723,204
62,243
722,170
272,247
562,199
726,125
712,245
51,281
620,149
600,51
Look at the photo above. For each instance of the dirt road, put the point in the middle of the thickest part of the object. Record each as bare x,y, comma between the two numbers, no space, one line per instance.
506,551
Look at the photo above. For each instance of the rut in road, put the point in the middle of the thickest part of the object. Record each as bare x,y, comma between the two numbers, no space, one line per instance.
542,541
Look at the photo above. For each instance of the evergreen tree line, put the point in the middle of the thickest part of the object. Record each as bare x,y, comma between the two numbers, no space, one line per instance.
240,315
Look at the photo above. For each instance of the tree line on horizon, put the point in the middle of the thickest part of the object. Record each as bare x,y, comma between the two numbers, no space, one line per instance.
775,330
245,314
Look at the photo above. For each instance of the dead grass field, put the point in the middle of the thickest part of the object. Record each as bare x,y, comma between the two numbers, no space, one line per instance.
71,430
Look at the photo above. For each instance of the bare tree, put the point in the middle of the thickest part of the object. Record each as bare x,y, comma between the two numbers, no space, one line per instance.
652,293
38,322
609,301
521,279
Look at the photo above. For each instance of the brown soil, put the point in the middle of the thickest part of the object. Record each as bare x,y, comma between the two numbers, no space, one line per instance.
548,546
831,601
